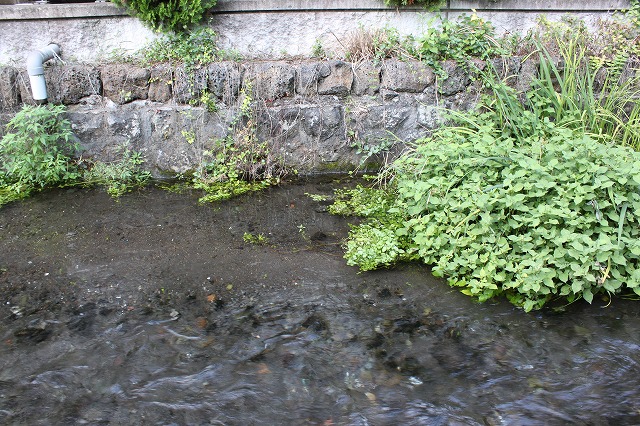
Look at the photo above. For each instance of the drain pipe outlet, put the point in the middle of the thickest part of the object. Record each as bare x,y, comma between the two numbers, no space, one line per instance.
35,68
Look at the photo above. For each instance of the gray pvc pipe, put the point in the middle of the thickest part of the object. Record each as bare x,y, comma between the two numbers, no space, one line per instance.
35,68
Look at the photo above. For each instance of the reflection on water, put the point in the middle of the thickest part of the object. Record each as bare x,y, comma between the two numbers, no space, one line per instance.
154,310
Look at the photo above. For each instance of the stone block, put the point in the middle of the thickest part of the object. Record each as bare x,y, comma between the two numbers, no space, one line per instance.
507,69
189,84
339,81
271,80
458,78
527,73
123,83
160,83
124,122
308,76
388,95
225,80
406,76
366,78
280,126
9,90
429,116
88,123
65,84
178,137
323,122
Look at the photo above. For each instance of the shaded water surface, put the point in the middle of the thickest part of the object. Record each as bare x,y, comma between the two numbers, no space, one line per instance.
155,311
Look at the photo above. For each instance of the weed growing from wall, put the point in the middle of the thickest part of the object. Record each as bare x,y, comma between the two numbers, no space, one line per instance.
611,44
375,44
465,38
468,37
193,48
175,15
240,162
427,4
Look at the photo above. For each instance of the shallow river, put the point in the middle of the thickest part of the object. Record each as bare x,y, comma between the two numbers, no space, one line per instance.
154,311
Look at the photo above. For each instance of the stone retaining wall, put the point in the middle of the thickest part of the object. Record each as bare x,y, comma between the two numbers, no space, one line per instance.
317,114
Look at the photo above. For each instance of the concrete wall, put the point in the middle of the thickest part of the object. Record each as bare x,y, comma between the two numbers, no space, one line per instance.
94,32
87,32
267,29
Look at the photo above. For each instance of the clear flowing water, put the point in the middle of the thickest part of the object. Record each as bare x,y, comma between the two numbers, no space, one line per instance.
154,311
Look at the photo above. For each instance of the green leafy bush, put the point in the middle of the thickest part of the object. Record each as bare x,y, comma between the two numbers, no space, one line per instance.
169,15
467,37
550,216
193,48
36,151
429,4
532,195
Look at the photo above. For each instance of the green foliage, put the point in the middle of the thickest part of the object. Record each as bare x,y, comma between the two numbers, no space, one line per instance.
317,50
592,91
368,150
465,38
361,201
611,43
573,95
169,15
548,216
35,152
375,243
427,4
193,48
633,13
532,200
460,40
256,239
207,100
371,246
118,177
8,194
240,162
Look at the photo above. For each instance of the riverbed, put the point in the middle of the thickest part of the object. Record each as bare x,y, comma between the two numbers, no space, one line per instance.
156,310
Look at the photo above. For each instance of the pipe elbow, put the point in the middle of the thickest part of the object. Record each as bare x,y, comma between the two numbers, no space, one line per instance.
35,69
37,58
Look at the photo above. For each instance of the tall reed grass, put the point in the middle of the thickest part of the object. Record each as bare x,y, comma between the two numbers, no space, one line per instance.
574,90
